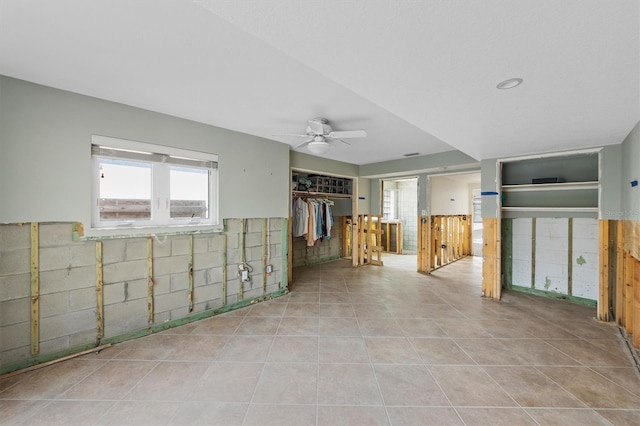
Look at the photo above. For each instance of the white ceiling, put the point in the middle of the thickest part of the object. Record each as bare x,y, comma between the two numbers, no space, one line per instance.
418,76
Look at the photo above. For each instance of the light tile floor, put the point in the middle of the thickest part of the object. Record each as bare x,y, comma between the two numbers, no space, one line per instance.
348,346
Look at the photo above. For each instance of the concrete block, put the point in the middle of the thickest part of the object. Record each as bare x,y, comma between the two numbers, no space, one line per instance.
113,251
16,335
53,258
254,225
54,304
161,247
124,317
233,226
15,286
14,237
135,249
207,293
162,317
206,260
253,239
171,301
55,234
202,243
216,243
275,224
585,228
125,271
82,338
233,257
252,293
233,241
170,265
57,344
162,285
179,313
13,356
125,291
67,279
83,254
207,276
254,253
233,286
179,282
84,298
179,246
69,323
15,311
15,262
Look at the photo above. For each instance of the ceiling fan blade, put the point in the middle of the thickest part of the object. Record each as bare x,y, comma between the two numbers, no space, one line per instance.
345,142
303,143
341,134
290,134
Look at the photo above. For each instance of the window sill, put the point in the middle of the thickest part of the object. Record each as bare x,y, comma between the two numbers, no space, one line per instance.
79,234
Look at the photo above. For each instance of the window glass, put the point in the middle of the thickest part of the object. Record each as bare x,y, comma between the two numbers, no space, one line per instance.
188,192
124,190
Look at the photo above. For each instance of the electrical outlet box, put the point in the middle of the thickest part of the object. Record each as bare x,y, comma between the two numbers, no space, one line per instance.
269,269
245,275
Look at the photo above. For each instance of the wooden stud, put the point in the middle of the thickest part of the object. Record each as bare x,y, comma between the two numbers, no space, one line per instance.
603,285
99,294
35,289
290,248
619,268
150,280
242,248
224,269
433,252
190,295
264,256
636,301
491,258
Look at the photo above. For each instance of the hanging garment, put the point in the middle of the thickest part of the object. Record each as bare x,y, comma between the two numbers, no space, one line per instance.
300,225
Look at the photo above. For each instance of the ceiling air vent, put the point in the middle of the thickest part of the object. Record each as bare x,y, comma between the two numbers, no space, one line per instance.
412,154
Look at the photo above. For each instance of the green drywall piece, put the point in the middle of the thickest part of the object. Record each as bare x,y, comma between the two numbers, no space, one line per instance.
580,261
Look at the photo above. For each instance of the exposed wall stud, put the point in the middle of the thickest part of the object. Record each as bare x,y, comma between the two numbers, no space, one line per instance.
620,274
264,255
603,255
35,289
190,294
150,280
99,294
491,258
224,269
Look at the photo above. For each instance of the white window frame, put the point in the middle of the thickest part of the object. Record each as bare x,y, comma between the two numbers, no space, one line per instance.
161,159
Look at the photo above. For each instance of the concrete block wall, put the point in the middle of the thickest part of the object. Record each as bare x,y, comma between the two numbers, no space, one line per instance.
326,250
67,282
552,262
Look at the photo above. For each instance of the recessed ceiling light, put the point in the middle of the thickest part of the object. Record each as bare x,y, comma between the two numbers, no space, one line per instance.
510,84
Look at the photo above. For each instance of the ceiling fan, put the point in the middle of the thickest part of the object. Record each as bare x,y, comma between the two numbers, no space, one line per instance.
320,134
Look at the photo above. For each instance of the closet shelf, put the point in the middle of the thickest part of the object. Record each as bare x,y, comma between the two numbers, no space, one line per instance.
565,186
319,194
550,209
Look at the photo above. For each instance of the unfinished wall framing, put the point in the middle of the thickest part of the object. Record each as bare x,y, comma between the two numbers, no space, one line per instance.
90,293
552,256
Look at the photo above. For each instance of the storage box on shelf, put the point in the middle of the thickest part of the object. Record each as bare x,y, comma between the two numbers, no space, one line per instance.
321,184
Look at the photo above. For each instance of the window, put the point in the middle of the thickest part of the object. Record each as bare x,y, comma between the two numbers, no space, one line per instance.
142,185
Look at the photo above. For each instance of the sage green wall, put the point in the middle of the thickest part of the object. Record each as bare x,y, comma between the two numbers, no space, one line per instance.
631,172
45,161
412,166
610,182
303,161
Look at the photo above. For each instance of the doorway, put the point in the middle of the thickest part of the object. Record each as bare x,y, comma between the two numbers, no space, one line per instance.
400,223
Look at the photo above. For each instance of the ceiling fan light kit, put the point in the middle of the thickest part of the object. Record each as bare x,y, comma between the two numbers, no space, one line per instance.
320,135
